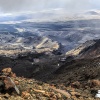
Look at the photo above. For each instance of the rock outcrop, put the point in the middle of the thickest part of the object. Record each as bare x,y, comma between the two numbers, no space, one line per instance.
89,49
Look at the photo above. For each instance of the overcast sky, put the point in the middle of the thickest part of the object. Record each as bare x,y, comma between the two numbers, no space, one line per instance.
9,6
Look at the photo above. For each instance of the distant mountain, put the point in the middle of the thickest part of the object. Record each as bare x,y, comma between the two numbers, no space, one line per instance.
92,13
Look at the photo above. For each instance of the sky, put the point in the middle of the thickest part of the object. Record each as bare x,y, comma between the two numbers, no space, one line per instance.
13,6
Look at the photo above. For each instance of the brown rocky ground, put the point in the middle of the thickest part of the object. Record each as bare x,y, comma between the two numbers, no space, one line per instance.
75,80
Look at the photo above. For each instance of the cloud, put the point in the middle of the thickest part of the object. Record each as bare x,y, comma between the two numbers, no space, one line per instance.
34,5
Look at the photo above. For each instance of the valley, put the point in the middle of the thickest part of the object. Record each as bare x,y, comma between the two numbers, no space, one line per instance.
63,54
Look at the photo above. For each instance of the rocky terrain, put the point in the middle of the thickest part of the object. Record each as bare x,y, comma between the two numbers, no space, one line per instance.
54,60
52,77
20,88
65,86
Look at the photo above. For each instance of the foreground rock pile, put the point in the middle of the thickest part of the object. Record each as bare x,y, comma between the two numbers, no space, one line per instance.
19,88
